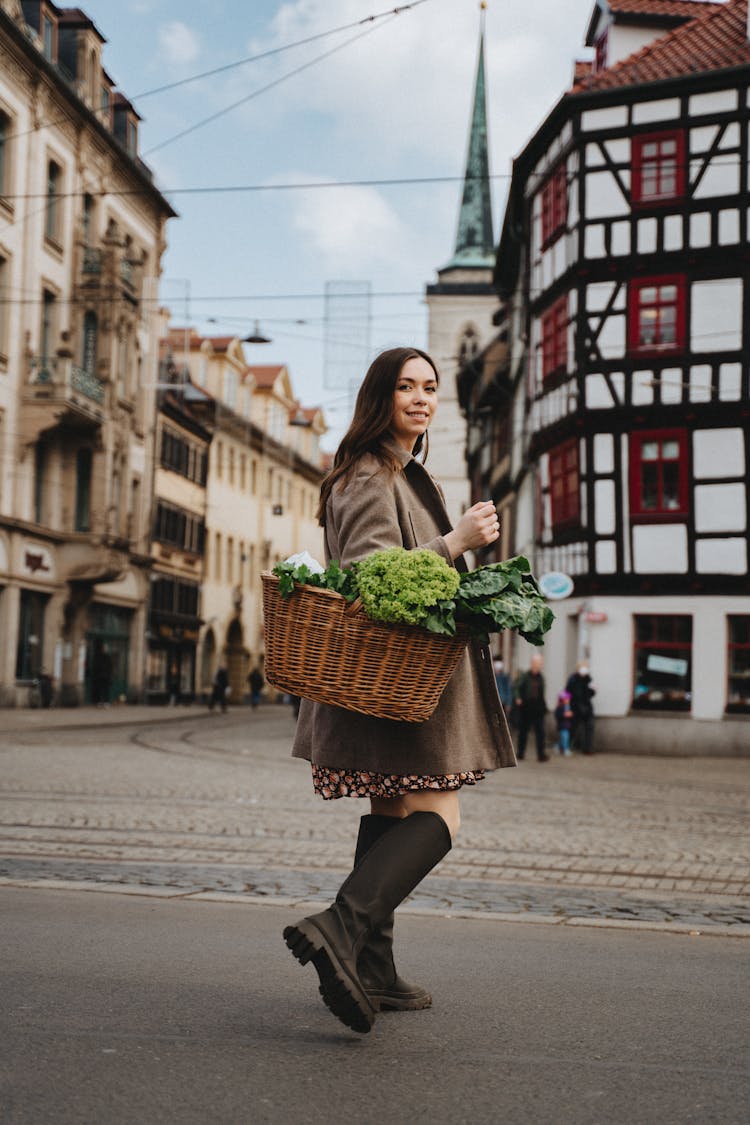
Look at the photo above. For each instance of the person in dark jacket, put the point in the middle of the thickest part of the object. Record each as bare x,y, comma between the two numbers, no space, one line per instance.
220,689
582,692
378,495
531,708
503,684
255,683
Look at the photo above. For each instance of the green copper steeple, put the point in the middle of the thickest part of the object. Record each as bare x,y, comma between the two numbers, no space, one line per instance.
475,247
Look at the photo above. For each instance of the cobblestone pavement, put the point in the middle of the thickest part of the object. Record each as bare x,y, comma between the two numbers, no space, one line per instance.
216,805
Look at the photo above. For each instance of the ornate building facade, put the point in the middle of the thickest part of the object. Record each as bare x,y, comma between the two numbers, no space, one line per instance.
264,472
82,233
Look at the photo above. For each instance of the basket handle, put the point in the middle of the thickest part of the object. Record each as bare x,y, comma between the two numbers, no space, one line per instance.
353,607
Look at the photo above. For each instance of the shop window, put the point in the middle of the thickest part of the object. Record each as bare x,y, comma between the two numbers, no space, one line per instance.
565,485
657,315
658,162
658,475
554,205
30,650
738,693
663,663
555,339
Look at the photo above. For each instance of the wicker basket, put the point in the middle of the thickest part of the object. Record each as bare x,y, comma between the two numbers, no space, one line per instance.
321,647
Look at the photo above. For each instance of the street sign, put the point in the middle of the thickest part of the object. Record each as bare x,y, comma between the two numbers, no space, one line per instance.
595,618
555,585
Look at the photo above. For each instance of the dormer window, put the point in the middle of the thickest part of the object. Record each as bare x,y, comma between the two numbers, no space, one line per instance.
48,37
658,161
601,52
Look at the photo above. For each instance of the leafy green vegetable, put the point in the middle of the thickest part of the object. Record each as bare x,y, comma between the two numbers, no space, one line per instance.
400,585
419,588
334,577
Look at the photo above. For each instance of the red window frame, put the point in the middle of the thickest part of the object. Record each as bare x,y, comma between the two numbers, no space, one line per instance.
565,485
554,346
662,473
601,52
669,637
657,317
738,664
554,205
658,168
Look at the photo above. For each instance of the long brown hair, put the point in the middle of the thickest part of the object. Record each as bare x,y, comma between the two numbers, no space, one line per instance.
373,413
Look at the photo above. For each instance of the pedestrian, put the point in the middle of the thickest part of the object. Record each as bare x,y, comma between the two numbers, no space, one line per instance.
503,684
531,708
255,683
378,495
564,720
582,692
101,676
220,692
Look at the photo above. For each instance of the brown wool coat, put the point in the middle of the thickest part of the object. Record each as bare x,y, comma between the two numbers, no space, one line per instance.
467,731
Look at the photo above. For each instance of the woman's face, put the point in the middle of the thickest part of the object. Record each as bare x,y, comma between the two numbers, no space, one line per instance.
414,401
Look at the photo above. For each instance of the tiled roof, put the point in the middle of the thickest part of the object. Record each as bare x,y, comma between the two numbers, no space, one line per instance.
582,67
266,374
682,9
716,39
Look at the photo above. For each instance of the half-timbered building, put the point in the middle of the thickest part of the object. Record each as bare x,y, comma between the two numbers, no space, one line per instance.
624,384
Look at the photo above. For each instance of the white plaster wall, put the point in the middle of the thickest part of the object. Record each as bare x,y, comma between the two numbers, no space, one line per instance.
604,199
716,315
661,109
611,649
660,548
720,507
720,101
718,453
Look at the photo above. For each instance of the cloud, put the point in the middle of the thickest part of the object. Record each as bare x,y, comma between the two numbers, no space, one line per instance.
179,44
348,230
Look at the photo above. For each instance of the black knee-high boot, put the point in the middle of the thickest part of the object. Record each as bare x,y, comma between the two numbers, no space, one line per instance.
333,939
384,987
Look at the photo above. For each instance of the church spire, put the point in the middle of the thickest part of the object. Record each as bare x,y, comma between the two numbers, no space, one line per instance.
475,247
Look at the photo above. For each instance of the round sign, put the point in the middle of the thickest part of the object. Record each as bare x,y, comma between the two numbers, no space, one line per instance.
555,586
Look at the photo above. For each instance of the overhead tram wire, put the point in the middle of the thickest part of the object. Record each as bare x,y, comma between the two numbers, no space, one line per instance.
297,185
264,89
300,185
278,50
238,63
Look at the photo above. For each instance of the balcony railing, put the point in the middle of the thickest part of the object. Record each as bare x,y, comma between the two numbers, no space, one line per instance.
60,374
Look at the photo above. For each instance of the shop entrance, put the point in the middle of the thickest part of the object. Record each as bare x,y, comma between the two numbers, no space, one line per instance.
107,654
236,661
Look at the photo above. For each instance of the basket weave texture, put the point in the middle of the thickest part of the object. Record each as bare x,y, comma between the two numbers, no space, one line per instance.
321,647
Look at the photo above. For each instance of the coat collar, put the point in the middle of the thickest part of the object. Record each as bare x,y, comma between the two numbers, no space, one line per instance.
422,480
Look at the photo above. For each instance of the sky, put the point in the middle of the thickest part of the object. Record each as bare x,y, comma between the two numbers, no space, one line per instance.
393,101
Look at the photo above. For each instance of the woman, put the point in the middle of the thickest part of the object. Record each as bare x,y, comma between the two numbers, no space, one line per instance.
378,495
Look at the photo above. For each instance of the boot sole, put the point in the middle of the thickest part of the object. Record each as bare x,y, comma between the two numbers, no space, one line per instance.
340,994
393,1002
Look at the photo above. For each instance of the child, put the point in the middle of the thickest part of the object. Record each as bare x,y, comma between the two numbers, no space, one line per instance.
564,720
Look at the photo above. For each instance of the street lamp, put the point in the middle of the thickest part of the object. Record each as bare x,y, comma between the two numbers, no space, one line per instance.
256,337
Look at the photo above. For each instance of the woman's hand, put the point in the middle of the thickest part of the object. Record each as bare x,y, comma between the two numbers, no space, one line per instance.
478,527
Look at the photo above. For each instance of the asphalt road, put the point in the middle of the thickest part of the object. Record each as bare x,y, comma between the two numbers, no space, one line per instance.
127,1010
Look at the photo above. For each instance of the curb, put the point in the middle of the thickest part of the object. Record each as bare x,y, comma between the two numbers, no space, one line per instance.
686,929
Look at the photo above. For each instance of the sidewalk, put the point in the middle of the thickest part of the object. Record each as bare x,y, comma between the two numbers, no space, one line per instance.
125,1011
19,720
